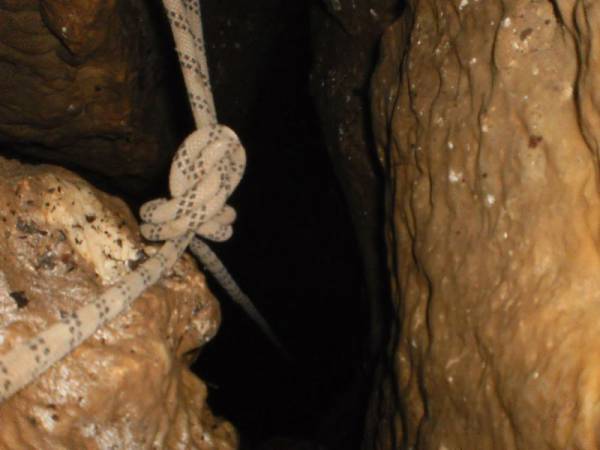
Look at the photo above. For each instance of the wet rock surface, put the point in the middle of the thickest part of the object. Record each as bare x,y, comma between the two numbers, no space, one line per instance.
129,385
486,116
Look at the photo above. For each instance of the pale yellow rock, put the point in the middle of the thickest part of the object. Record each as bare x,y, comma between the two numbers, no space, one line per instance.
486,117
128,387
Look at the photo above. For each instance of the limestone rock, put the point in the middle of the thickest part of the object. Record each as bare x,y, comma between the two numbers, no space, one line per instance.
487,117
81,86
128,386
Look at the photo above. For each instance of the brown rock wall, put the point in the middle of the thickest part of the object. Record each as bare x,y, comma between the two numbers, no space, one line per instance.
345,35
81,85
486,116
128,386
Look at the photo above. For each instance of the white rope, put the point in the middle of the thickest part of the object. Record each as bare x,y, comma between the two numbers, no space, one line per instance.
206,169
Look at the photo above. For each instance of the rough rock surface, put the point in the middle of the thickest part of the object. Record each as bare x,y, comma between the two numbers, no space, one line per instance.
345,35
128,386
487,116
81,85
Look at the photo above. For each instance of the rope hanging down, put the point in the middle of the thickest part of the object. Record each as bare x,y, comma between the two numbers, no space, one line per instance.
206,169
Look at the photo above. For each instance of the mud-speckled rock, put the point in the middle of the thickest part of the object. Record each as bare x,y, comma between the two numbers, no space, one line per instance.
344,39
128,386
486,115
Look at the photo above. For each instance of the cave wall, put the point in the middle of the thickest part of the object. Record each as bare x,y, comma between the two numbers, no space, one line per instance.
486,117
344,38
83,85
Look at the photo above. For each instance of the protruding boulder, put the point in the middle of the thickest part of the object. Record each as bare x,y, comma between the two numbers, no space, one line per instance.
129,385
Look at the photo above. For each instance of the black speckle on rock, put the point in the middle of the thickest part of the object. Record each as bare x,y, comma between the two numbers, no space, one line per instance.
46,261
20,299
29,227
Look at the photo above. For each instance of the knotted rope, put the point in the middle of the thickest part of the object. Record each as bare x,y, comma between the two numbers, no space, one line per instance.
206,169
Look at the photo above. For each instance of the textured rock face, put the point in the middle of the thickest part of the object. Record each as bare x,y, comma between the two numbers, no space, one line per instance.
486,115
80,85
344,41
127,387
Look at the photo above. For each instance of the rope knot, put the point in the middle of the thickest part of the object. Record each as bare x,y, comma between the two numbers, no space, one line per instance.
207,167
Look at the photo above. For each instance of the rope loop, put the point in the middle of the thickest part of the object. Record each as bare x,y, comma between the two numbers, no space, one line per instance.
207,167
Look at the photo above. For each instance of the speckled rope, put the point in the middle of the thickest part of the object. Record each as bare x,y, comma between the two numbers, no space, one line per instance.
205,170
